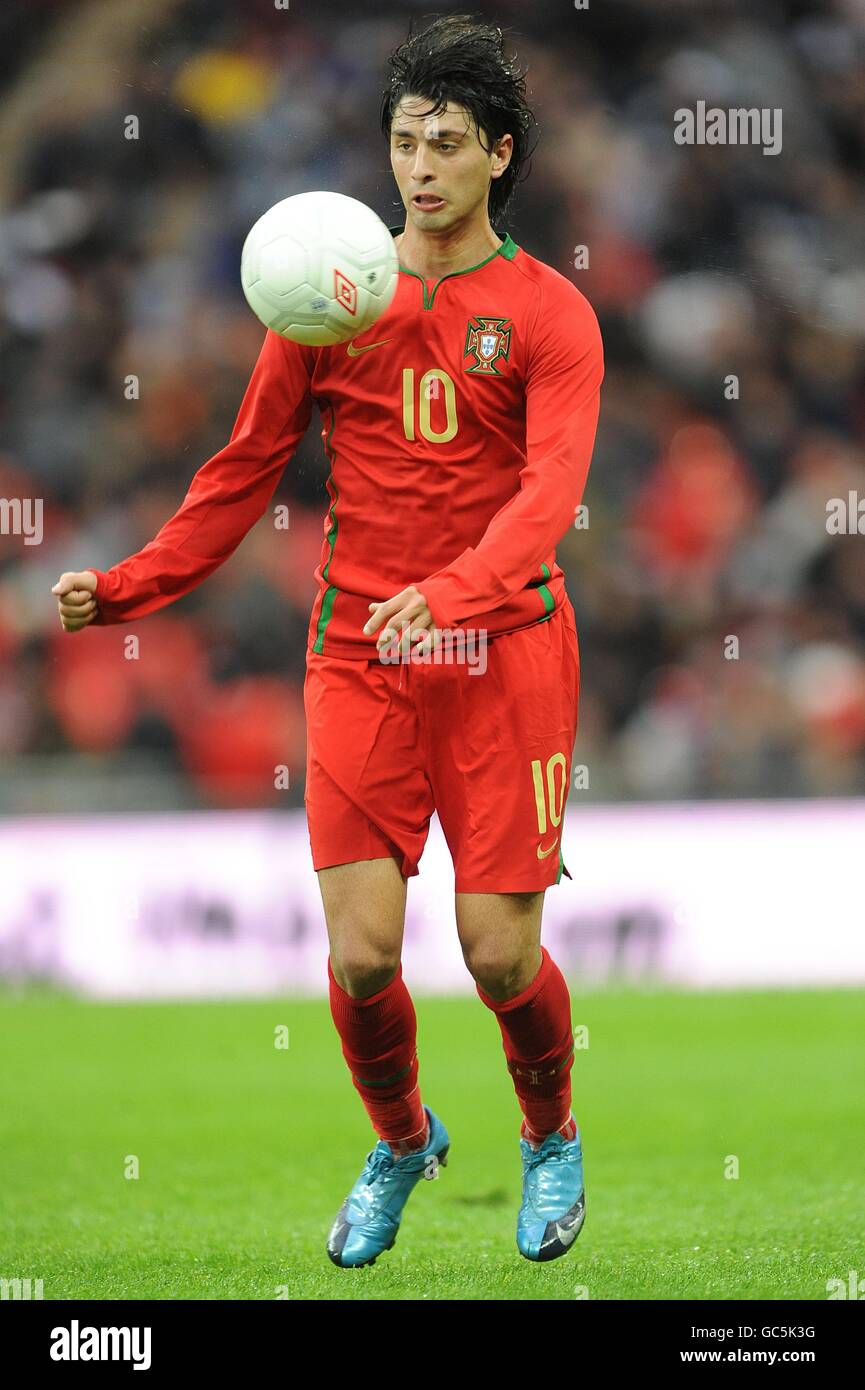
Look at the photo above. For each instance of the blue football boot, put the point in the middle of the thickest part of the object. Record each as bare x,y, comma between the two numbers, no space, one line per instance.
554,1201
368,1220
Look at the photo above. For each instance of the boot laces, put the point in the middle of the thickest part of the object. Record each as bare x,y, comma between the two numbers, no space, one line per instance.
379,1161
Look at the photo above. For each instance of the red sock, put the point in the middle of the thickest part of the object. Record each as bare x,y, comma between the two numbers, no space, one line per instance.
567,1131
538,1043
378,1042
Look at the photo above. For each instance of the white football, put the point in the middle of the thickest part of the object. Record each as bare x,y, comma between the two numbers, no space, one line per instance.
319,268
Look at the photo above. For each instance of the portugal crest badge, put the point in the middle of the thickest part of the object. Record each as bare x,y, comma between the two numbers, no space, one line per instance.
487,340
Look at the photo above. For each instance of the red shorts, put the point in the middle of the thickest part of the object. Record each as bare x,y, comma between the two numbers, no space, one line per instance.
489,750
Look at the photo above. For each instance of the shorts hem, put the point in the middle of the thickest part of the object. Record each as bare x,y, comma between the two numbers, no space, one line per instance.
498,886
407,872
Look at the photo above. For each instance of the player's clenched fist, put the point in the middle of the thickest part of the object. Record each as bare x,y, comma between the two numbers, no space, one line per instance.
75,599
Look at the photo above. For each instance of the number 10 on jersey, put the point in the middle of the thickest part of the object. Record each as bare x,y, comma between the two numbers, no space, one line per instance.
431,386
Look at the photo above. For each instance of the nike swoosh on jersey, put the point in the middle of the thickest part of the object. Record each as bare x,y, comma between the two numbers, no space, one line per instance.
542,853
356,351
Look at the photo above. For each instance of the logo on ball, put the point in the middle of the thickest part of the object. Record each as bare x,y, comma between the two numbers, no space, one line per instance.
344,292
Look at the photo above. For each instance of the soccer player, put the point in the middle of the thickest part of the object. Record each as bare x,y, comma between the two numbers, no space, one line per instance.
459,431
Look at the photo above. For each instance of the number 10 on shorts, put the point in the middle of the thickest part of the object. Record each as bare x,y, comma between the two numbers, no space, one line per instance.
549,791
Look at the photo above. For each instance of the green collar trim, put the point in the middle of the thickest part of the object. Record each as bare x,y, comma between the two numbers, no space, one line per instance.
508,250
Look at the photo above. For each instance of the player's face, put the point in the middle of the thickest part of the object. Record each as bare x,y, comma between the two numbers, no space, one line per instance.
442,170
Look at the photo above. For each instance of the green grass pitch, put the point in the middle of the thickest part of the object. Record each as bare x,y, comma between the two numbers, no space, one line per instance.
245,1150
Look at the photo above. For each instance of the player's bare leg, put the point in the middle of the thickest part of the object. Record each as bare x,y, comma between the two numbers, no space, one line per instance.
364,904
500,936
364,907
518,980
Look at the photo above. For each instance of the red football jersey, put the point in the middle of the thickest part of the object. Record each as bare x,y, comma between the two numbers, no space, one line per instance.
459,431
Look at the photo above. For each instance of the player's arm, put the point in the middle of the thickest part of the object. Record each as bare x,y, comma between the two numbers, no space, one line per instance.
564,374
227,496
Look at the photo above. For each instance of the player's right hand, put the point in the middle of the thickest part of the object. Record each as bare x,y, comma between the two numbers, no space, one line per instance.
75,599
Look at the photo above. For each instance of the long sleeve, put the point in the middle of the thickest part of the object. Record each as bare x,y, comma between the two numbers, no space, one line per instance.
564,372
228,494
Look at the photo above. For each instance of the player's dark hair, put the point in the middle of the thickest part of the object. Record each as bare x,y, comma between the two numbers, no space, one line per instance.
461,59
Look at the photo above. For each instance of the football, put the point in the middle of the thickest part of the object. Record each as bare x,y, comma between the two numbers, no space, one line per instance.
319,268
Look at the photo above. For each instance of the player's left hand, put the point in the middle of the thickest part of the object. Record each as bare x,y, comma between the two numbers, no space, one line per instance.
407,607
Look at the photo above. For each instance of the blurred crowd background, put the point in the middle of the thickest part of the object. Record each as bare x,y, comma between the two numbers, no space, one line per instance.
707,506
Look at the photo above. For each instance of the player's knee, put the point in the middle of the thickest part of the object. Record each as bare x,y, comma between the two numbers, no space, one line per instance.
364,969
499,972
